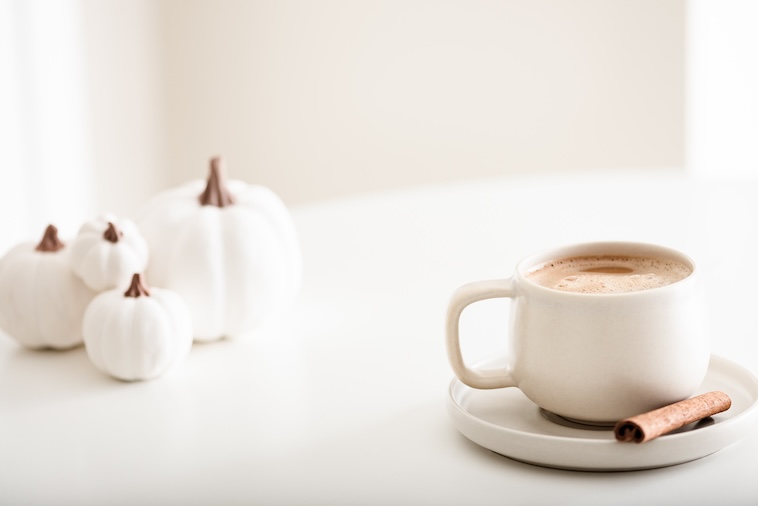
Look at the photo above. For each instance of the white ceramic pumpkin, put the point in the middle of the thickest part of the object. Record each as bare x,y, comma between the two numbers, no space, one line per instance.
139,334
107,251
230,250
41,300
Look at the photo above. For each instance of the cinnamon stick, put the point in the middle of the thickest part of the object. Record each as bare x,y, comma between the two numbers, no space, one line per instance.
647,426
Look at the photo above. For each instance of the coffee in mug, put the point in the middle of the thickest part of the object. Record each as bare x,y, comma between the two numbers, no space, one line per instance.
598,332
608,274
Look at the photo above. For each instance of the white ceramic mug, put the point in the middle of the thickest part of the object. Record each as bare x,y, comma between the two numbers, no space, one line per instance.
593,357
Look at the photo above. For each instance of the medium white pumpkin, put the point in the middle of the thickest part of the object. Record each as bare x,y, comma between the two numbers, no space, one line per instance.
231,252
107,251
139,334
41,300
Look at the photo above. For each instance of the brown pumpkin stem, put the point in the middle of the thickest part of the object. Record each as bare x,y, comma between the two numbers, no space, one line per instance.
137,288
50,242
216,193
112,233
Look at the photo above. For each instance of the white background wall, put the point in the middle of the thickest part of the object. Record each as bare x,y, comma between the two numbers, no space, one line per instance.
722,89
319,99
323,98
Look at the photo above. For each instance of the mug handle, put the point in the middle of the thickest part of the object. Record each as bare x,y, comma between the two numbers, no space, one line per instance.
463,297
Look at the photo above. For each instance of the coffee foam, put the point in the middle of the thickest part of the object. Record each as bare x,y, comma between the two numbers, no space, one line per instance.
608,274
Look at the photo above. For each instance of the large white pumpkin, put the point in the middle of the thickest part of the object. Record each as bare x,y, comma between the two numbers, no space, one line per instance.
107,251
228,248
139,334
41,301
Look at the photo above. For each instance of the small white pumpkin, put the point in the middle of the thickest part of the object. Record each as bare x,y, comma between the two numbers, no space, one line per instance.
41,301
107,251
139,334
231,252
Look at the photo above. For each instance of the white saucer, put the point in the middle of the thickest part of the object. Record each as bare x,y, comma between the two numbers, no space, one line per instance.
508,423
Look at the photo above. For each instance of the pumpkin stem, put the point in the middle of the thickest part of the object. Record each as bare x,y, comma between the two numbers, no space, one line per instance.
50,242
216,193
137,288
112,233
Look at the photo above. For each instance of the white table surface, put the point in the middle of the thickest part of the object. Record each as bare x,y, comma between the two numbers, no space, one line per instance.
345,403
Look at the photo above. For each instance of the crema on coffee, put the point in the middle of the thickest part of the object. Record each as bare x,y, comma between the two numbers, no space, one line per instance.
608,273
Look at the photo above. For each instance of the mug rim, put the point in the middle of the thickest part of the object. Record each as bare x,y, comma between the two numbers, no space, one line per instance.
631,248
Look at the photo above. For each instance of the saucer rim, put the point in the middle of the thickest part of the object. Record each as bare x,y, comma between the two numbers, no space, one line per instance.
723,434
